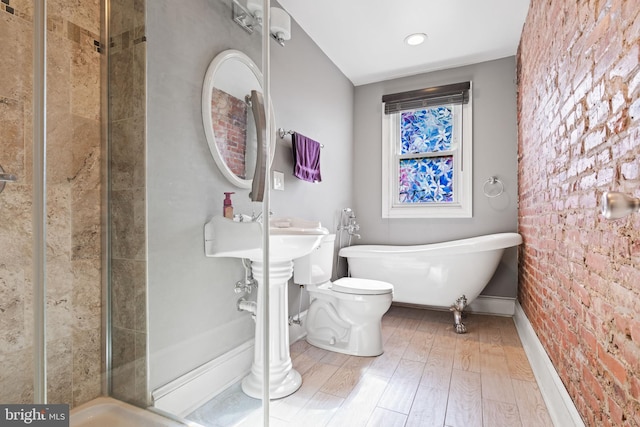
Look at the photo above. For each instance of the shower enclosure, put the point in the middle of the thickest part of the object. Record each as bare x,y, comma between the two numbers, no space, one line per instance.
105,289
50,217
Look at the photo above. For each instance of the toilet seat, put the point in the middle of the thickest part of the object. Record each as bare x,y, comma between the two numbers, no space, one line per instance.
356,286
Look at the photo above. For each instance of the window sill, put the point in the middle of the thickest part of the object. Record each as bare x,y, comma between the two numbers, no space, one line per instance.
436,211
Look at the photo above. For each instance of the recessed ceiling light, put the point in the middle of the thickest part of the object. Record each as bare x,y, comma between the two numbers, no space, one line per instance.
415,39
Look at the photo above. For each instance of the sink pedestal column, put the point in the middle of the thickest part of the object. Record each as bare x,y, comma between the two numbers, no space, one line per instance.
283,379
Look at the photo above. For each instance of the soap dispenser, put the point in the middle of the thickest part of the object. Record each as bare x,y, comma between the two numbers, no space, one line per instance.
227,206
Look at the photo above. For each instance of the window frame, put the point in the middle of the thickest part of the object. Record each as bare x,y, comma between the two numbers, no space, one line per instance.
462,206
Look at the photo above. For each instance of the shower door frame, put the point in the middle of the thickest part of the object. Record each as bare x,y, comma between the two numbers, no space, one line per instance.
39,209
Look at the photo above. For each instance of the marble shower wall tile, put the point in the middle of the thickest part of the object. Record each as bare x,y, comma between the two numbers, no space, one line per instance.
85,82
23,9
59,370
121,85
128,286
12,308
16,224
16,51
15,213
128,224
83,13
58,221
12,125
127,104
87,362
123,372
85,167
86,295
85,225
16,376
128,154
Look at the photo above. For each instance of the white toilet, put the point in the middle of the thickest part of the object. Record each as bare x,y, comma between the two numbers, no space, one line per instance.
344,316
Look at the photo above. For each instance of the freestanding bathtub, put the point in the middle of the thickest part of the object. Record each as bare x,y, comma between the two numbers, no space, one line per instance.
448,274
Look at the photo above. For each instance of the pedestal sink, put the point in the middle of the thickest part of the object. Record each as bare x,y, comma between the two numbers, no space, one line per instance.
290,238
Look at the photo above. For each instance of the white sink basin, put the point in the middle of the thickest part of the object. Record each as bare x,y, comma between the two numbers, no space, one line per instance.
290,238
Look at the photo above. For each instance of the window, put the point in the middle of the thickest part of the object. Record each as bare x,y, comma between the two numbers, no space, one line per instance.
427,153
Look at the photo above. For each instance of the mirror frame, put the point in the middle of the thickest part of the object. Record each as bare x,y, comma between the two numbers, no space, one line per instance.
207,89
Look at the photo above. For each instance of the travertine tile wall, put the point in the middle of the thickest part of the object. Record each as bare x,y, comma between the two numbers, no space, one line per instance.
127,104
73,202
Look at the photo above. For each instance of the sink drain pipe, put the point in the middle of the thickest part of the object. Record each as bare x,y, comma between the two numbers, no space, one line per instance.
245,305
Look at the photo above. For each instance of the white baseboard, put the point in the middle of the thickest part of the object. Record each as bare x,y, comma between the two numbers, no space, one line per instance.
499,306
190,391
561,408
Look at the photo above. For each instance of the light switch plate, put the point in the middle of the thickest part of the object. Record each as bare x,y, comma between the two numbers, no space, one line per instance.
278,180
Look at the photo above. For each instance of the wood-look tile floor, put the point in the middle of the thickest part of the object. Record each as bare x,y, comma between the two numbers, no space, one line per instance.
427,376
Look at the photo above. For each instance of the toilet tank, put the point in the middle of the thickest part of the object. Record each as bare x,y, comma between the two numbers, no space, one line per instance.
315,268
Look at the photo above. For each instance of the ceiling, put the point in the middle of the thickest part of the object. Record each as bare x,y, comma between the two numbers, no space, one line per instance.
365,38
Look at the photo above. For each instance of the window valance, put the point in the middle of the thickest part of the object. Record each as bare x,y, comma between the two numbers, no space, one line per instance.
457,93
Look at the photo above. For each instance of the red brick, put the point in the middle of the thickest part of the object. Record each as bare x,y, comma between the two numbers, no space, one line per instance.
605,62
630,170
616,413
612,365
626,64
634,110
583,87
576,266
633,85
594,139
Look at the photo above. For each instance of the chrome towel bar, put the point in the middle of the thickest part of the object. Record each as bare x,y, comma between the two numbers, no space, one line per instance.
282,133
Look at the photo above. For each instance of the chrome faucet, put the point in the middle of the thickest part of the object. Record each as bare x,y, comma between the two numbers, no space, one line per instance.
351,225
258,218
250,218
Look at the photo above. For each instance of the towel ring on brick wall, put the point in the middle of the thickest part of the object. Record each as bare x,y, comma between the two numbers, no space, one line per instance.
6,177
490,182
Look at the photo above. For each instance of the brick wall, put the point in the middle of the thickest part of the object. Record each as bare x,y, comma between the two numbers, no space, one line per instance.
579,135
229,117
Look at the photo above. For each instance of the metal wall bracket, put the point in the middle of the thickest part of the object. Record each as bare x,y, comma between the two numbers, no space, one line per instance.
6,177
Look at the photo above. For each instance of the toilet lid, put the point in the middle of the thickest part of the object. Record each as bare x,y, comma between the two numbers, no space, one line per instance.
352,285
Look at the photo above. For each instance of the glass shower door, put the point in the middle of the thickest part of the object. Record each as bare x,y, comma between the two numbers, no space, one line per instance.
175,325
50,285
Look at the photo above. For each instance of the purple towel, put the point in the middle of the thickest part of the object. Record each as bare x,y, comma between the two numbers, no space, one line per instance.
306,157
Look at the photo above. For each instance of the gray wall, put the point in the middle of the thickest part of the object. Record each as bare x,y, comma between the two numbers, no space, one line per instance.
313,97
494,154
192,306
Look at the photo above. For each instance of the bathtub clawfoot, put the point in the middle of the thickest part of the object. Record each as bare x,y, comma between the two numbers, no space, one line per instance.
457,308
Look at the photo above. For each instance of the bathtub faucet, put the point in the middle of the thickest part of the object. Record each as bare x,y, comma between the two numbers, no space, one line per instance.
352,227
348,223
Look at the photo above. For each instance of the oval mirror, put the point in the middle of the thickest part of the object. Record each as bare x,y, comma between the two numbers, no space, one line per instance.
227,115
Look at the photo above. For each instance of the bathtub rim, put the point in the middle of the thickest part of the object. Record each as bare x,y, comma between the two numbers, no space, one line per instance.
487,242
